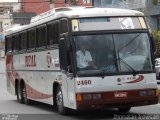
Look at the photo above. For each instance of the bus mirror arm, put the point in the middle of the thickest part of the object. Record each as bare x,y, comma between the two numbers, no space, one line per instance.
69,72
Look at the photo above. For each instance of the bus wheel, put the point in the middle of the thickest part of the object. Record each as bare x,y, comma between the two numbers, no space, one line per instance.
20,97
26,100
124,109
59,102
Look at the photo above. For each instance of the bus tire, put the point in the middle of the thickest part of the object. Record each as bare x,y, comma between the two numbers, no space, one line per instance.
26,100
124,109
59,102
20,97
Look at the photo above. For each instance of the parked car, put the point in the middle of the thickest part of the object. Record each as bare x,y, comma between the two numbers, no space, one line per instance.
157,67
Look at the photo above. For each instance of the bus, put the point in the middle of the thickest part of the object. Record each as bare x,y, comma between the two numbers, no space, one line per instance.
44,61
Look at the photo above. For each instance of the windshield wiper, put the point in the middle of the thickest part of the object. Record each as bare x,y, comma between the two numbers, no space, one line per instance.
134,72
110,68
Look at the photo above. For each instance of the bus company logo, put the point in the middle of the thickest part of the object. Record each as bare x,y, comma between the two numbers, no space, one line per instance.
30,61
135,79
118,79
49,59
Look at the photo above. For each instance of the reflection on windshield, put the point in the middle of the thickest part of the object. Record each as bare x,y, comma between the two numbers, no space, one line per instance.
133,49
103,52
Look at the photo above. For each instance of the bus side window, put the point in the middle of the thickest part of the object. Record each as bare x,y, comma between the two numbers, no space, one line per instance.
64,26
32,39
23,41
51,34
8,44
57,32
64,53
41,36
15,43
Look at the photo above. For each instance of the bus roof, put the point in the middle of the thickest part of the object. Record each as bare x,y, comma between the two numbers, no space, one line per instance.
75,12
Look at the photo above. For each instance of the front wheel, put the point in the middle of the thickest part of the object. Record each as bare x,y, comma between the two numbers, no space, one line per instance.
59,102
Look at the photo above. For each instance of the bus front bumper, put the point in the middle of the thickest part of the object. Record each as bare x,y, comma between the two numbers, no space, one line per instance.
116,99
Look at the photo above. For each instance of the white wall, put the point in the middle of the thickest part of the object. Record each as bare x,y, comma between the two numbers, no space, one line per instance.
6,24
135,4
129,4
9,0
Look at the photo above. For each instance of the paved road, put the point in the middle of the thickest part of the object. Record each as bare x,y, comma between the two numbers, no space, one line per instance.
10,108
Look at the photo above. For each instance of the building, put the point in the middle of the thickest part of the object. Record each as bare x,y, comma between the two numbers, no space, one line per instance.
68,3
35,6
6,8
128,4
109,3
29,9
153,13
151,8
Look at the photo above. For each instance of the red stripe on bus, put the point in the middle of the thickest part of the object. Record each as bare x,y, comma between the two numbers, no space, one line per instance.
140,78
34,94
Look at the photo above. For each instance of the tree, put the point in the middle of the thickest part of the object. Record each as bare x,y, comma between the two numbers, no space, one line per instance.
156,38
154,2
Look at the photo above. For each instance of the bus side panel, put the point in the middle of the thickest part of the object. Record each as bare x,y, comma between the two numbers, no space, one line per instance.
50,78
10,78
71,92
10,86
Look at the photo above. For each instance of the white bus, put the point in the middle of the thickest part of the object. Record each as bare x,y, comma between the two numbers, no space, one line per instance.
45,63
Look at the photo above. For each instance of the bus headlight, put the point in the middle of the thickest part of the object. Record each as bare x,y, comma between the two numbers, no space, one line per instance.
97,96
87,96
151,93
148,92
143,93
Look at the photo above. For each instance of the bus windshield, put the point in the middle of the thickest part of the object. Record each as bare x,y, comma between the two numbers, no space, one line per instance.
112,53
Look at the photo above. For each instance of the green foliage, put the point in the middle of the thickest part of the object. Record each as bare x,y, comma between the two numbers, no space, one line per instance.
154,2
156,38
51,1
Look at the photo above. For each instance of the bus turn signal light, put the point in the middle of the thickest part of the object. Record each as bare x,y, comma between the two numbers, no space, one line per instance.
79,97
157,92
88,96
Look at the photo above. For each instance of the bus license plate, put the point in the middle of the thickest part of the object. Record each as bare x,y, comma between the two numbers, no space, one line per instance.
120,94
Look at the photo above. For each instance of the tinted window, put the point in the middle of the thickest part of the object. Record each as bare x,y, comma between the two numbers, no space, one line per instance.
56,32
51,34
8,44
15,43
32,38
23,40
64,26
41,36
